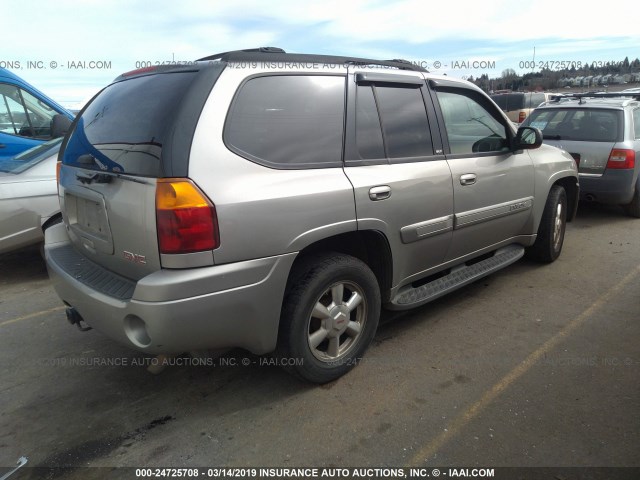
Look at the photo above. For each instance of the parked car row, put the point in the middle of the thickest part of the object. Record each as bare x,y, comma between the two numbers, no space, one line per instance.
518,105
602,133
600,130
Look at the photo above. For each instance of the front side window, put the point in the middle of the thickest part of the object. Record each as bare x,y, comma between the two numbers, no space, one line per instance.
23,114
470,127
289,121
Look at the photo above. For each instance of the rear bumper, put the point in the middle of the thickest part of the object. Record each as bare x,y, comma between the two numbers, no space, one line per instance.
613,187
174,311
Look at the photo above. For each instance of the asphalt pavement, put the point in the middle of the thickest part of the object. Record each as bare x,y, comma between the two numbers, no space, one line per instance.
534,366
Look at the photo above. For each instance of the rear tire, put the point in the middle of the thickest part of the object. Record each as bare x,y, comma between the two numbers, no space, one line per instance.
552,227
329,317
633,209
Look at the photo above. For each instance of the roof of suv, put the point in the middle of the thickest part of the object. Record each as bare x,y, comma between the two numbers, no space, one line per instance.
270,56
274,54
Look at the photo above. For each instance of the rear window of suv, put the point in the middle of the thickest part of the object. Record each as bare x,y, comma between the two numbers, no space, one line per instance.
578,124
126,126
288,121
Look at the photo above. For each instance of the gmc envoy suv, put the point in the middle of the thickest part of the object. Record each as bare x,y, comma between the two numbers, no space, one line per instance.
277,202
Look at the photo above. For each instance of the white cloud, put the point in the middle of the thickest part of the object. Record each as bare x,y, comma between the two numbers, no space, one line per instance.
124,32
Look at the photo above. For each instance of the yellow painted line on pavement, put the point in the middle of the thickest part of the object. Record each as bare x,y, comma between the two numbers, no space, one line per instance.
490,395
31,315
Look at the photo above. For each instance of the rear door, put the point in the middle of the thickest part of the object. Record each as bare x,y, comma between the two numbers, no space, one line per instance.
111,162
493,186
401,179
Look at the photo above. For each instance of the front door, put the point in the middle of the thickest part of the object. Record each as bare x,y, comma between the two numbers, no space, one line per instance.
401,180
493,185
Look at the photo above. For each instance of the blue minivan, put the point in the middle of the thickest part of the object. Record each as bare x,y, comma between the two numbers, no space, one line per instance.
27,116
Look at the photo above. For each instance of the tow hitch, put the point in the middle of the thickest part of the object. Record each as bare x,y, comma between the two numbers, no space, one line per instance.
76,319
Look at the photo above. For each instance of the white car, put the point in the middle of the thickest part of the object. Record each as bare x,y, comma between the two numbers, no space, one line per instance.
28,195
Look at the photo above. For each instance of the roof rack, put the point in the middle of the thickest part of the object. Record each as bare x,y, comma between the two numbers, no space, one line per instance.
580,96
275,54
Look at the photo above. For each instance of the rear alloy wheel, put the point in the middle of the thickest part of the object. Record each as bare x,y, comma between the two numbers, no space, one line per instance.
552,227
329,317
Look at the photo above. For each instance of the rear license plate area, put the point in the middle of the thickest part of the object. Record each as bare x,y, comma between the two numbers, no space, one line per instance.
88,216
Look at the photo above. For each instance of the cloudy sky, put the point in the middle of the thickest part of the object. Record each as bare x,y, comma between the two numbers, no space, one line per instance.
71,49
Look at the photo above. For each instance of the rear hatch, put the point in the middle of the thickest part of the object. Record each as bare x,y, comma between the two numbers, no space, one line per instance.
135,132
588,134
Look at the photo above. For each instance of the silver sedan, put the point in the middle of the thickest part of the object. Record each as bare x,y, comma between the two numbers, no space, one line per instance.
28,195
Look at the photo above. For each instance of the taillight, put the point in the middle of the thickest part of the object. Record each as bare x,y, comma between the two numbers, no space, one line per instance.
522,116
622,158
186,219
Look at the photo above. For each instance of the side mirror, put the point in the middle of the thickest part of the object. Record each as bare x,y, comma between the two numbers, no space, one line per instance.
59,125
527,138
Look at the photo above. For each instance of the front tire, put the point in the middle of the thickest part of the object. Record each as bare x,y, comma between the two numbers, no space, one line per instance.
552,227
329,317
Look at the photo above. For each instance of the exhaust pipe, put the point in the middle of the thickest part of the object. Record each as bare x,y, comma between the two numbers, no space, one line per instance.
76,319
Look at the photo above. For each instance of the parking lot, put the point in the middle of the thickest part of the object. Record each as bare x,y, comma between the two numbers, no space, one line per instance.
532,366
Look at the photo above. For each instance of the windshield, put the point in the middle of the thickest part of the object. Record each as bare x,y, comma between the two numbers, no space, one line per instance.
30,158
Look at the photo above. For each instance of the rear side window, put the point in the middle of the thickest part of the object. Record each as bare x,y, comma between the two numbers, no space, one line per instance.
636,123
579,124
127,125
288,121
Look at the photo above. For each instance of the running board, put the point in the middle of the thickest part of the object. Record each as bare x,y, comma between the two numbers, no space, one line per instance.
409,297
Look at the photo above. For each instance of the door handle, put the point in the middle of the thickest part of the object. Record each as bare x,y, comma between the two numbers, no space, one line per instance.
2,145
468,179
380,193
